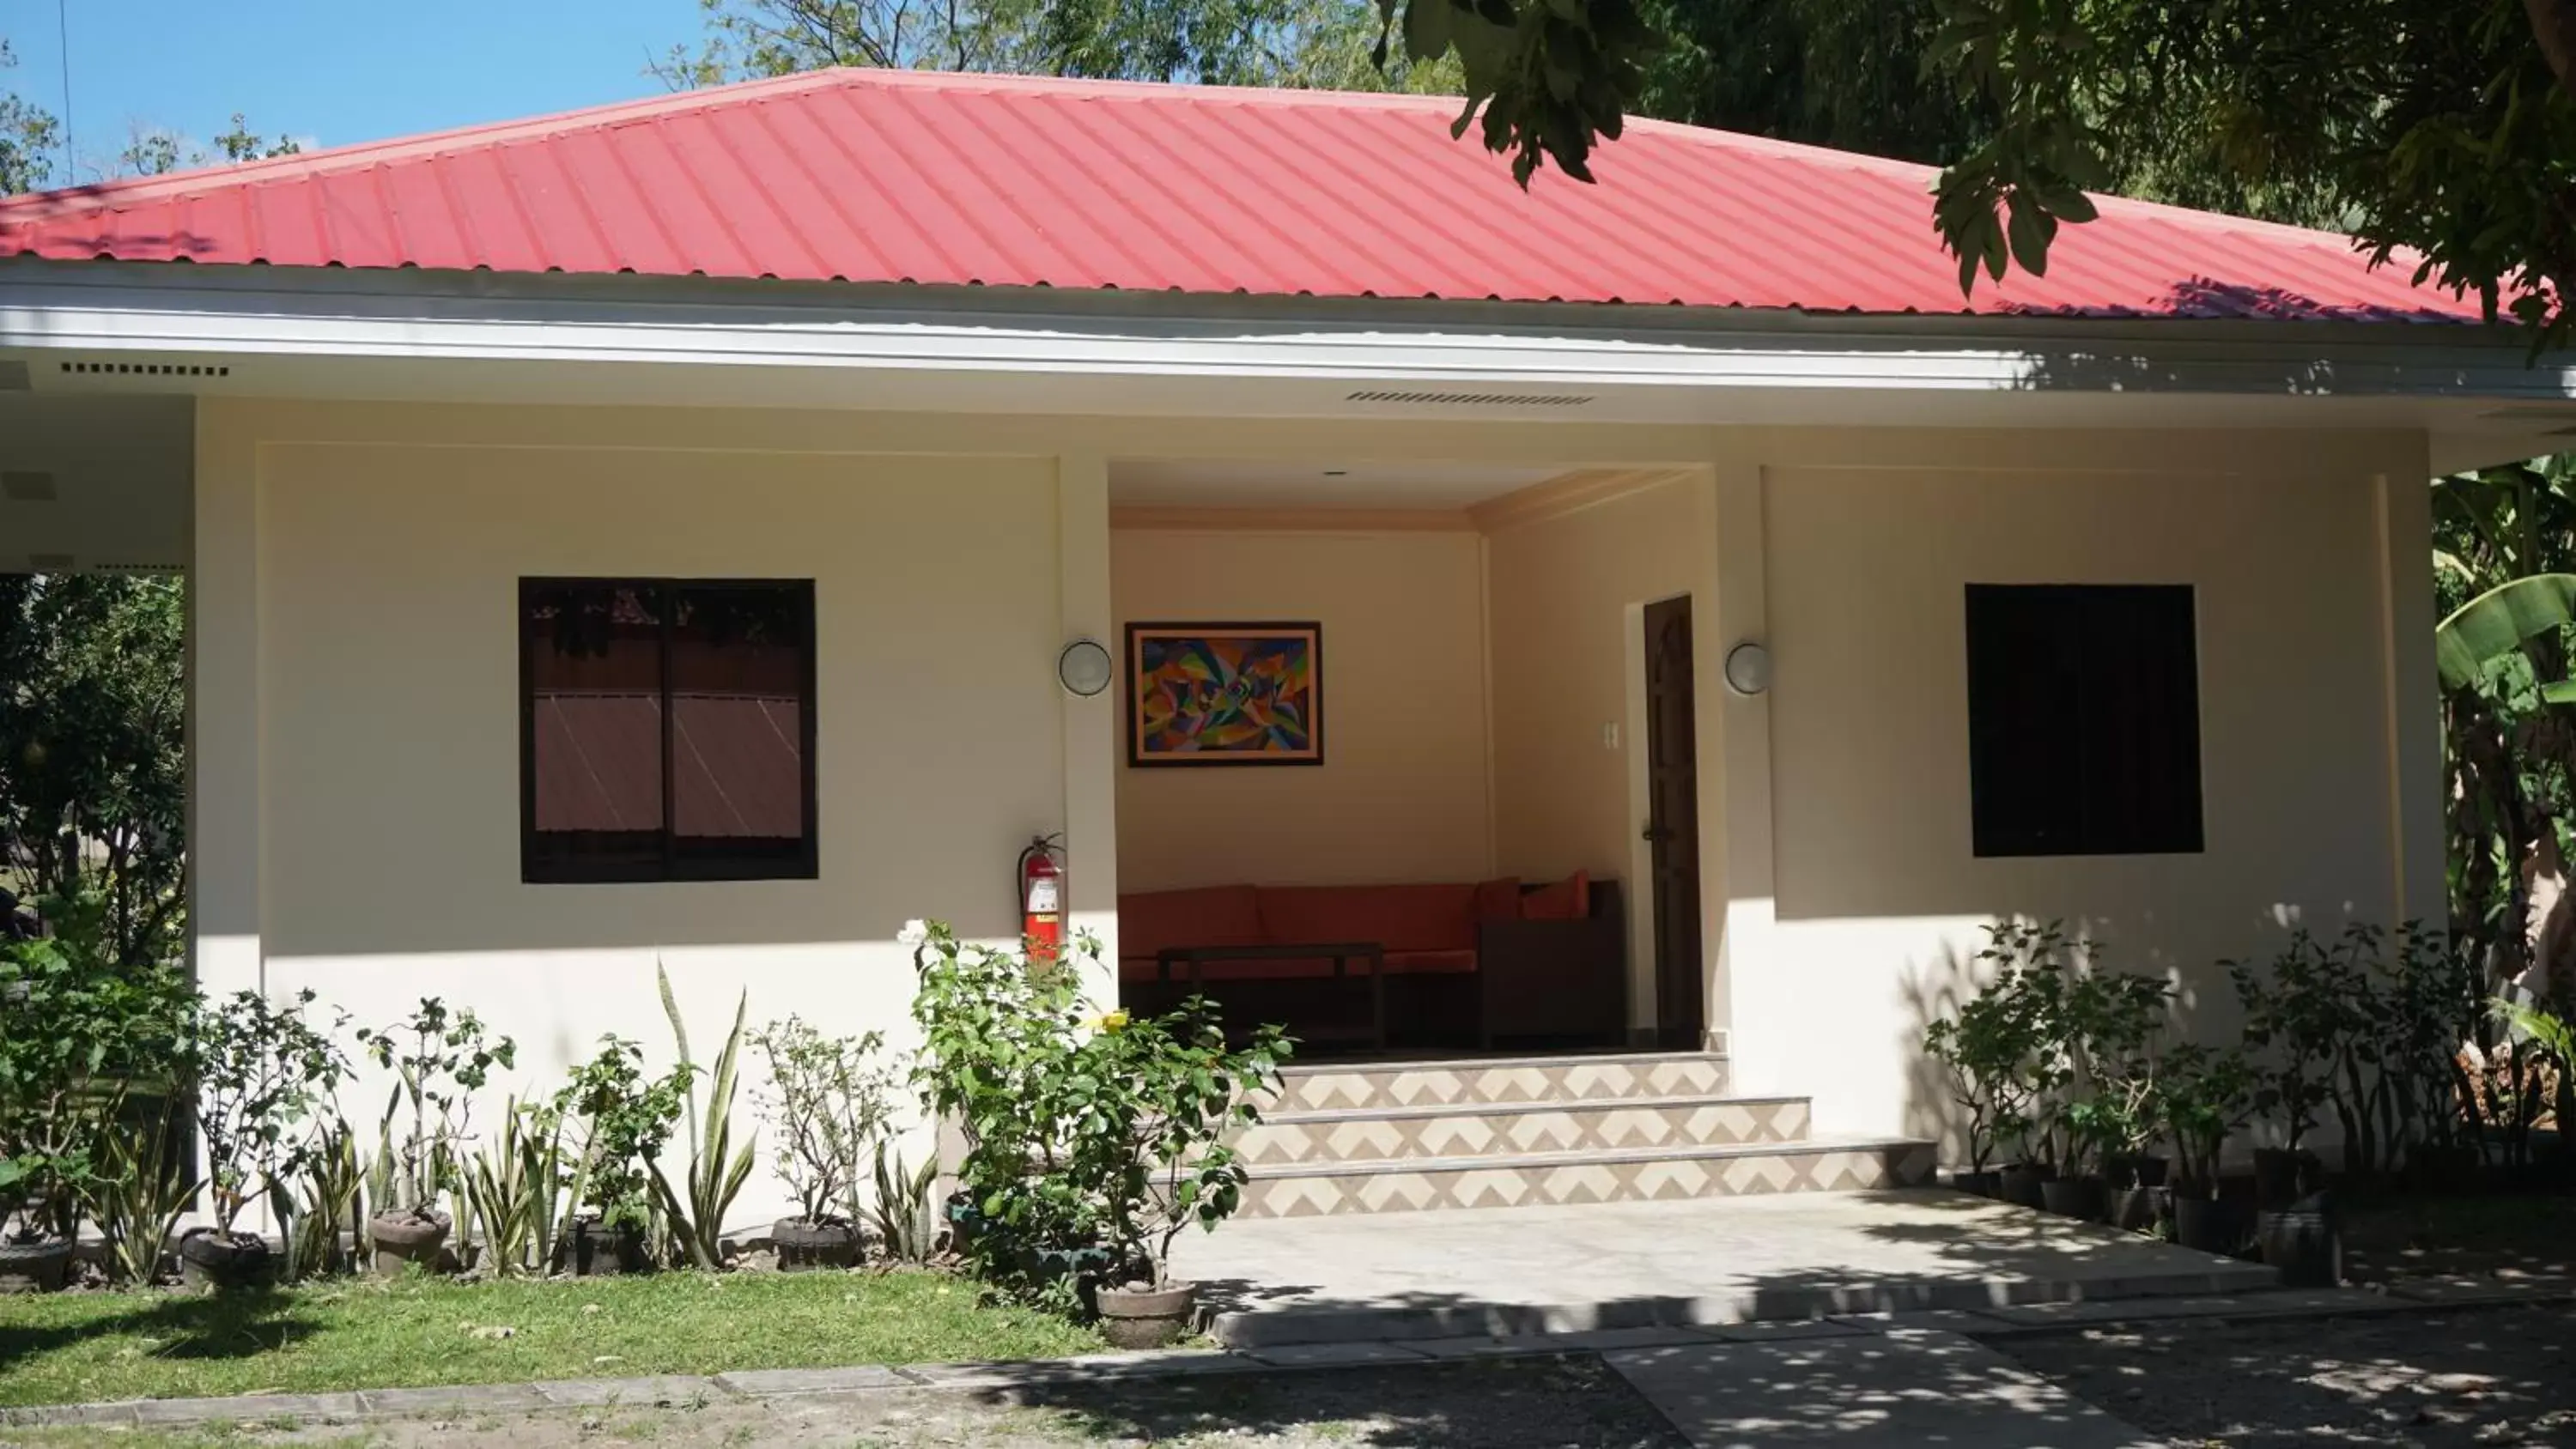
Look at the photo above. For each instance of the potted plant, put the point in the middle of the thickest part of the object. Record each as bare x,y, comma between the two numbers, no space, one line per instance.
264,1080
1987,1048
439,1060
2029,994
2115,1022
81,1034
2205,1092
1153,1101
2293,1019
1092,1140
827,1105
626,1120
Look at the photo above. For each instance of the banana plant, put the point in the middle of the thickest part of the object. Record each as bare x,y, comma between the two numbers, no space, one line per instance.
716,1171
2488,629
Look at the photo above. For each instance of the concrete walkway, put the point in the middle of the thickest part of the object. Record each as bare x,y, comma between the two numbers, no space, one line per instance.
1904,1389
1701,1261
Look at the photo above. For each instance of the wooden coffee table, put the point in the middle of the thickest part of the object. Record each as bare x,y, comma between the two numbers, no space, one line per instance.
1342,954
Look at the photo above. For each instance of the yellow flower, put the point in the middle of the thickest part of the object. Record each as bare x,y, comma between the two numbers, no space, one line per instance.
1112,1022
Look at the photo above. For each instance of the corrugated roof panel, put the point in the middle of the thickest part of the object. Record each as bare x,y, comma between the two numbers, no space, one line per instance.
902,176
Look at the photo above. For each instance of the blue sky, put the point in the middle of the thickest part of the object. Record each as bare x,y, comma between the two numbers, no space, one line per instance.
332,73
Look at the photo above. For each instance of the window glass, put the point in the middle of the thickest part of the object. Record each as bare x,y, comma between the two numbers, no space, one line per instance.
2083,719
667,729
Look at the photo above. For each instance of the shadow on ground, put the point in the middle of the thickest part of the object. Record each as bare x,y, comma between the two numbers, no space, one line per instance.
2435,1380
1461,1274
1533,1403
231,1325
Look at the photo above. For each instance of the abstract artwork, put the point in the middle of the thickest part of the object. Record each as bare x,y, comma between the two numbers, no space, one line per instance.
1225,694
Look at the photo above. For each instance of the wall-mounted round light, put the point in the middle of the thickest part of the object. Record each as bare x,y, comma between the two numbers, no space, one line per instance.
1748,668
1084,667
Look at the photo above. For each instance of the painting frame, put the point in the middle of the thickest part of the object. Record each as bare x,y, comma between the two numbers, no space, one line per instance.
1148,643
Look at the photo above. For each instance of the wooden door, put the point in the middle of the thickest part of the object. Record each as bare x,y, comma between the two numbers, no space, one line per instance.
1672,828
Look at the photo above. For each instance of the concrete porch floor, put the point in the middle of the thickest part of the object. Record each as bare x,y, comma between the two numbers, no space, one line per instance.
1506,1271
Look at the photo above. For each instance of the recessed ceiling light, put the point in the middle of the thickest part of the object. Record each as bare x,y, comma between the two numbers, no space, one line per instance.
1337,472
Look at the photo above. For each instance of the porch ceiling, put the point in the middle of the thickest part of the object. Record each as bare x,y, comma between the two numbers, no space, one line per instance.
99,482
1237,483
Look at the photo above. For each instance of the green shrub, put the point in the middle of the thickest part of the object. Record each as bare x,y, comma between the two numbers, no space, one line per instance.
1092,1139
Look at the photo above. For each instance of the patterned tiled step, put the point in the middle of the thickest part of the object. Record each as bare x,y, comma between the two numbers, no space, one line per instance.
1428,1184
1333,1087
1505,1129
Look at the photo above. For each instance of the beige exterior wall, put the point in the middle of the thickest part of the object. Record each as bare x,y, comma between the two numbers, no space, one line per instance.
1569,593
1401,795
1879,899
388,689
354,725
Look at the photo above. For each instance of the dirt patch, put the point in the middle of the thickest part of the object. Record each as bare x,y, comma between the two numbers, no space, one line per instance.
1570,1403
2437,1380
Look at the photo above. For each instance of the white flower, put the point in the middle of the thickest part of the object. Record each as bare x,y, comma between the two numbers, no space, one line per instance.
913,934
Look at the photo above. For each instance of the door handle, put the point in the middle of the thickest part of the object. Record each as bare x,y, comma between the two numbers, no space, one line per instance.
1655,832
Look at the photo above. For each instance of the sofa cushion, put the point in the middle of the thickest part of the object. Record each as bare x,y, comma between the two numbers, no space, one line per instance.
1499,900
1567,900
1397,917
1209,916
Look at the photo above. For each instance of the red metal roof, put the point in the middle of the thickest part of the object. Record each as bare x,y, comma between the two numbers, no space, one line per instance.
900,176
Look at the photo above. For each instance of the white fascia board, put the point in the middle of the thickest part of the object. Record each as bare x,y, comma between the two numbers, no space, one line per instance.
163,309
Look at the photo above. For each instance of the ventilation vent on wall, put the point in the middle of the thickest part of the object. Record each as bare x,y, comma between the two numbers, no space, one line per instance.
1474,399
146,369
138,568
28,487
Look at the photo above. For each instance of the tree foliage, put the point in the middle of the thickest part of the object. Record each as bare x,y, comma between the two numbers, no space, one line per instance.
29,137
2431,126
1825,72
1295,43
93,775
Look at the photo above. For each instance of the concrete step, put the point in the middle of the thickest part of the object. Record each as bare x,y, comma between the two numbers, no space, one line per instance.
1427,1184
1512,1129
1564,1077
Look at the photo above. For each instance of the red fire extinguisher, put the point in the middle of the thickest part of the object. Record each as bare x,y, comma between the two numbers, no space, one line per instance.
1042,900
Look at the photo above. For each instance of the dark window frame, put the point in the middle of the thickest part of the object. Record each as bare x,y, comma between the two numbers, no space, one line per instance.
673,866
2121,735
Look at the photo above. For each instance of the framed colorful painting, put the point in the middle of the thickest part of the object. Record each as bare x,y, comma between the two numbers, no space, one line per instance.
1225,694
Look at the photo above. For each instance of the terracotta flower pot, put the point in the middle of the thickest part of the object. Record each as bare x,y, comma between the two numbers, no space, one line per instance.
404,1238
805,1244
1146,1317
212,1261
38,1265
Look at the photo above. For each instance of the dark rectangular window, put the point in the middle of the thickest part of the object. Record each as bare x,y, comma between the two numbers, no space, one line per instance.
2083,719
666,730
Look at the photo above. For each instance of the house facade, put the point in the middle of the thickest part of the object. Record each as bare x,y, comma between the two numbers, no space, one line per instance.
656,535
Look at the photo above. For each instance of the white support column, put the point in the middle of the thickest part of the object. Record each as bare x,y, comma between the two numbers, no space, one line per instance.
1741,913
226,950
1090,725
2416,839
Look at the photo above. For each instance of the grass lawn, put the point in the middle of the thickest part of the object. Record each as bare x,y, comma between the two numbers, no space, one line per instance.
358,1334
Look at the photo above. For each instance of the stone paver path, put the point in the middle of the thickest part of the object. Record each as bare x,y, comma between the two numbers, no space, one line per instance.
1905,1390
1696,1261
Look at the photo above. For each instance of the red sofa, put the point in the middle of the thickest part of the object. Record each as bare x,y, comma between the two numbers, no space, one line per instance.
1460,960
